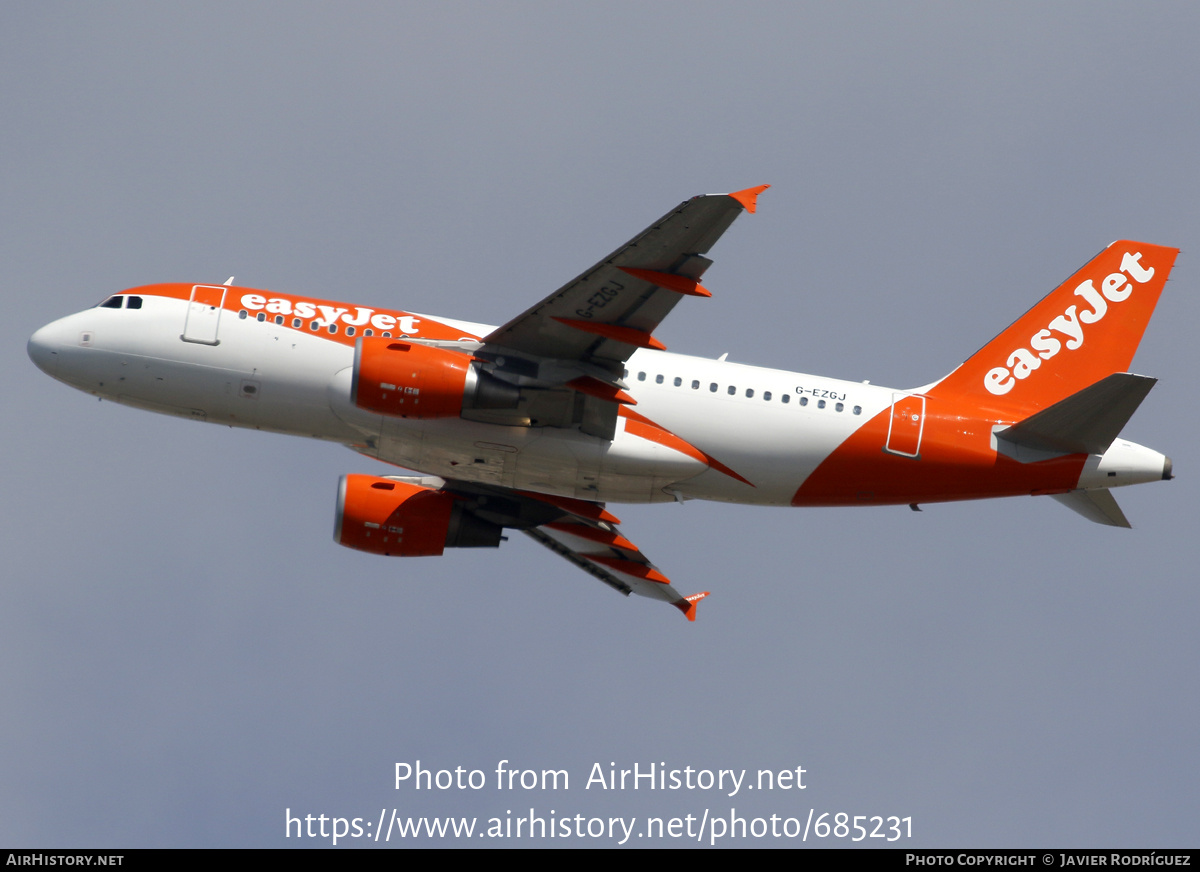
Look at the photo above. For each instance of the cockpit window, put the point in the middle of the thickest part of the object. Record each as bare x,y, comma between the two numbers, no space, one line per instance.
119,300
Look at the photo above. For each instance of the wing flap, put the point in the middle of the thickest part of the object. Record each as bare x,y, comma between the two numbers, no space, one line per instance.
587,566
583,532
617,559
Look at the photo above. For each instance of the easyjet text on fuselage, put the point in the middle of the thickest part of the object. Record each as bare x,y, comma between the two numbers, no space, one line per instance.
358,316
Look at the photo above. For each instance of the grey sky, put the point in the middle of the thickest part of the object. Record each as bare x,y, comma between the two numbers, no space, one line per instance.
186,653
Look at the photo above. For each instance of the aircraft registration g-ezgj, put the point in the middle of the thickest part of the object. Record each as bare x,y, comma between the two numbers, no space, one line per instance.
538,424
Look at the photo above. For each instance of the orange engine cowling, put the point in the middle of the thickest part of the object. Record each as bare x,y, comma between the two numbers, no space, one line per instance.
400,519
410,380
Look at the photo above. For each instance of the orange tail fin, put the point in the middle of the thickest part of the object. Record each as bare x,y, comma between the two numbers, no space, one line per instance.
1086,329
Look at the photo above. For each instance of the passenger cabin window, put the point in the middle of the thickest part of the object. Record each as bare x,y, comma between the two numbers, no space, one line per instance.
641,376
695,384
749,393
786,398
262,316
658,379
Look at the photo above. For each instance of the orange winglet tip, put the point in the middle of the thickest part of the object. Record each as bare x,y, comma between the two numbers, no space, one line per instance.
670,281
749,197
593,387
630,567
628,335
687,605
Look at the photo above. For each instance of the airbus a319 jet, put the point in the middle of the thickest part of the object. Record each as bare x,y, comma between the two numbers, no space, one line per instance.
539,424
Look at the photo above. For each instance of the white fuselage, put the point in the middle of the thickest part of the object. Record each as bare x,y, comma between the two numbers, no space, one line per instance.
770,427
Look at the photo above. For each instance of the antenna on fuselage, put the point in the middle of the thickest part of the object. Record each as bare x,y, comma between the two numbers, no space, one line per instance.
229,282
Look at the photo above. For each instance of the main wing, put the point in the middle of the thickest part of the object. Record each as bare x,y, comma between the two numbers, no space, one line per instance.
576,341
566,357
583,532
604,315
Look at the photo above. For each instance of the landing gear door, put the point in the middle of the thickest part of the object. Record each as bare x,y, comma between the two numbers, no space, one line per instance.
204,314
907,425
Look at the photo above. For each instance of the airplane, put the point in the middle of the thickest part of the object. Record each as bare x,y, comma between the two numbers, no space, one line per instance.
540,424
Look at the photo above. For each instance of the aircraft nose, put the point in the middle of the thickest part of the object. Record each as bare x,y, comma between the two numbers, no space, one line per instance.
43,349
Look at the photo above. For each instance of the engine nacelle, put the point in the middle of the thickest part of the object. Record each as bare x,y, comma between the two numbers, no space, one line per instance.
399,519
410,380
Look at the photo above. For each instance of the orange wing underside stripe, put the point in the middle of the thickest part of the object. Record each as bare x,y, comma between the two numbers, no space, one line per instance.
593,387
630,567
670,281
582,508
628,335
593,534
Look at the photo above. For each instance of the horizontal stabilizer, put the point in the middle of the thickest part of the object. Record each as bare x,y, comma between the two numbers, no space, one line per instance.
1099,506
1086,422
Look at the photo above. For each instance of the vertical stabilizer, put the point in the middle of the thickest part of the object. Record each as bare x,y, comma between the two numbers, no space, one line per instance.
1086,329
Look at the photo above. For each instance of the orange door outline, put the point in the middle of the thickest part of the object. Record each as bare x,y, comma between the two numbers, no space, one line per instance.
906,426
204,314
